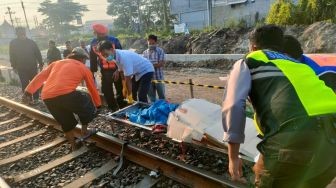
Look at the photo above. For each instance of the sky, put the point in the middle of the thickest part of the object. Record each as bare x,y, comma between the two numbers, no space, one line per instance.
97,10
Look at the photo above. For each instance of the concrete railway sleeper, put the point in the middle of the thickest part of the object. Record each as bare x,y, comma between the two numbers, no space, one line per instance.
176,170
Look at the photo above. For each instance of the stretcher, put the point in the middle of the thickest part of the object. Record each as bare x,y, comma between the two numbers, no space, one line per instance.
120,115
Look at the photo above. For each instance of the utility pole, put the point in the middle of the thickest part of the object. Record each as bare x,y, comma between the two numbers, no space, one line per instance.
24,12
10,15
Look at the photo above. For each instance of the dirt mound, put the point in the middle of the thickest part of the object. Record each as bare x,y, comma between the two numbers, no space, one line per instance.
221,41
319,37
176,45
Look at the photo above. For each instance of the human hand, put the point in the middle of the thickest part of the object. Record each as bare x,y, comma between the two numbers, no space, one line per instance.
258,169
236,170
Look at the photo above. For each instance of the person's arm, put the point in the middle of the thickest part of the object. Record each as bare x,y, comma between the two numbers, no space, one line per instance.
38,55
93,59
233,113
12,56
38,80
91,87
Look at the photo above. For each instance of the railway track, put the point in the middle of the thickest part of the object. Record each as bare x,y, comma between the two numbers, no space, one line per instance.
26,133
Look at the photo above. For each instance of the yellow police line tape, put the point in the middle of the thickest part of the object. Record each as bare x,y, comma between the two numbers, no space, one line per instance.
186,83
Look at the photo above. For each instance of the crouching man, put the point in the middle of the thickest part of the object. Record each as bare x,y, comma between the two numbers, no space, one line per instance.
138,71
60,96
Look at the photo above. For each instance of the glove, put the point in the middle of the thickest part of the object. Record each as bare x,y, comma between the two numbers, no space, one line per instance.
124,89
130,99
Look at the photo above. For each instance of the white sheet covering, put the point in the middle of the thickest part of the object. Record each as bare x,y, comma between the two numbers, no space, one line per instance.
199,117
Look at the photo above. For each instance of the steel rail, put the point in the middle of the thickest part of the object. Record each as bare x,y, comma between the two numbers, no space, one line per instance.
178,171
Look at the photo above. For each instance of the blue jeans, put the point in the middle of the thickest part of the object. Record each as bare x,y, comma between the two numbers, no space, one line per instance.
141,87
158,88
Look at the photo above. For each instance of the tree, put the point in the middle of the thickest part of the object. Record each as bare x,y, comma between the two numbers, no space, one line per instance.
317,10
140,15
60,15
284,12
281,13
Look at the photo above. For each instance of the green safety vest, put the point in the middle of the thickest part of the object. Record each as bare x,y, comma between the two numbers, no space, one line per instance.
283,89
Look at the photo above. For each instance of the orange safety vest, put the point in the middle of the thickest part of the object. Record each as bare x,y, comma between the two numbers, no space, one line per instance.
104,63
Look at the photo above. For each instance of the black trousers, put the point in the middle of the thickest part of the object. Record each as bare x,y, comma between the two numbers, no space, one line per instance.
107,82
300,155
141,87
25,77
63,108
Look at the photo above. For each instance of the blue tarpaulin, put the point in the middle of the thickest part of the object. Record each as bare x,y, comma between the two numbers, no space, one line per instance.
157,113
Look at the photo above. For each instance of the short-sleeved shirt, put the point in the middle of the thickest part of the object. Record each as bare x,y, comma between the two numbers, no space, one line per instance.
154,56
133,64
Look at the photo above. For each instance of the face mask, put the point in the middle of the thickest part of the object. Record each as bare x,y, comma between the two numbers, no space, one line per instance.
110,58
151,47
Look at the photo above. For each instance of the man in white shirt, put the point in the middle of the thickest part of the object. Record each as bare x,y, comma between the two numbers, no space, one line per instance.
138,71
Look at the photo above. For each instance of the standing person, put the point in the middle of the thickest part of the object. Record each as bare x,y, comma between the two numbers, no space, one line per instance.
157,57
86,49
107,68
25,58
323,65
68,49
132,65
294,109
53,53
60,96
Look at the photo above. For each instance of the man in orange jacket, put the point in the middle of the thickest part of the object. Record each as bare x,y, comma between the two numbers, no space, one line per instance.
60,96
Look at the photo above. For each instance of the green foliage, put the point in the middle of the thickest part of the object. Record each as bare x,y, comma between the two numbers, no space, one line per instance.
281,13
284,12
140,15
233,23
60,15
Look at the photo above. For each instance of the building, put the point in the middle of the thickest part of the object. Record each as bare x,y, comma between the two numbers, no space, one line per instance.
197,14
7,33
194,13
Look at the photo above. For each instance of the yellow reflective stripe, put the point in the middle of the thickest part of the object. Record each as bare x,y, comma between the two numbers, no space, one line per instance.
315,103
257,126
305,83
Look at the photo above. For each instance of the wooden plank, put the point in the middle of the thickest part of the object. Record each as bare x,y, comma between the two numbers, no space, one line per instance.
10,120
147,181
22,138
50,165
16,129
56,142
92,175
